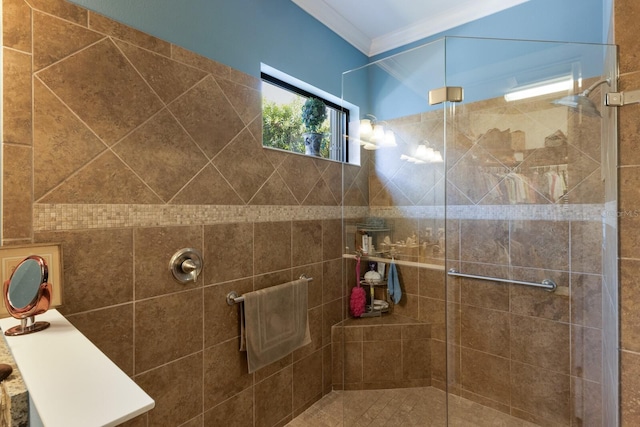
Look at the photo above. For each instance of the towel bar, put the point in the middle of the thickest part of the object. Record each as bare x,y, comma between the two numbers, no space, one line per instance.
547,284
234,298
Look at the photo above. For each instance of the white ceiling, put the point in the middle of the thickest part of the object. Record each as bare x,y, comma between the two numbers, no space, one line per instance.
376,26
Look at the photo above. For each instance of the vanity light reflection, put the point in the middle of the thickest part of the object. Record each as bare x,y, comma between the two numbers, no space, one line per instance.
423,155
373,134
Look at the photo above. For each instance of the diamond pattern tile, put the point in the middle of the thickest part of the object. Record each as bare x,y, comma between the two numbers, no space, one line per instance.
54,39
320,195
104,180
168,78
587,191
207,115
101,86
470,178
416,180
162,141
60,139
62,9
435,196
120,31
386,162
300,174
391,195
354,197
207,188
274,192
17,91
244,165
103,89
245,100
332,175
579,166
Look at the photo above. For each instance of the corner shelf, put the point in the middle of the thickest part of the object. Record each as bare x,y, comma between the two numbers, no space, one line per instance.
396,261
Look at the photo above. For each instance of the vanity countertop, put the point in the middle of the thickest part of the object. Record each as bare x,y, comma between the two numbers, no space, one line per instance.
70,381
15,390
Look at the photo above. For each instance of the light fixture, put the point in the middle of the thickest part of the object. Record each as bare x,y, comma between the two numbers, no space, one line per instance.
547,87
373,134
365,128
423,155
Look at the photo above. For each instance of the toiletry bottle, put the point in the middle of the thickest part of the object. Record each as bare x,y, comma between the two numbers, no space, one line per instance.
365,244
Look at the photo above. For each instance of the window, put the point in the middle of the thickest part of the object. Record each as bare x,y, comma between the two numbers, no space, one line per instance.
283,126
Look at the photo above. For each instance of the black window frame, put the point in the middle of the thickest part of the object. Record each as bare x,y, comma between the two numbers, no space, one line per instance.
299,91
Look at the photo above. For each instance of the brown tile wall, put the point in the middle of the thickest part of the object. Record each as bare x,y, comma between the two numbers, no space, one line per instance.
625,14
381,353
100,117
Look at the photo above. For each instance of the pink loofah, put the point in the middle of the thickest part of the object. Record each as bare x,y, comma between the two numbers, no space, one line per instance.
358,299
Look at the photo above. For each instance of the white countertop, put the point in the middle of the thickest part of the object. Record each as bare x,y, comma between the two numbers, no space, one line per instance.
70,381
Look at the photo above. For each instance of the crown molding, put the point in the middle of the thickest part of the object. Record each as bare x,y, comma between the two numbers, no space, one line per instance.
336,23
449,17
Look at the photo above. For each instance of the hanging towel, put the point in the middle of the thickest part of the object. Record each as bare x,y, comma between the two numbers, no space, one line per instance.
393,284
243,333
276,322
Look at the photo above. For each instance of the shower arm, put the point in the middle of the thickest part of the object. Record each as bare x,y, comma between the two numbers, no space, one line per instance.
595,85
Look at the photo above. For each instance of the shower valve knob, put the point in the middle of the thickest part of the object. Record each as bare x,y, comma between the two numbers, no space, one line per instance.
186,265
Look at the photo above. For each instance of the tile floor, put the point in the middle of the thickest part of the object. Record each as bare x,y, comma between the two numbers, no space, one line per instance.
424,407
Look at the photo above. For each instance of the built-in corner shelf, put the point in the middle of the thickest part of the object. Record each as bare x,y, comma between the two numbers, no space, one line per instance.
71,383
397,261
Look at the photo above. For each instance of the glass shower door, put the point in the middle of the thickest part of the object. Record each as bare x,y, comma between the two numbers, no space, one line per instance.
527,181
390,360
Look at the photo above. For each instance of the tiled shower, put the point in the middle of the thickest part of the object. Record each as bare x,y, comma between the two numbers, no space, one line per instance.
125,148
526,352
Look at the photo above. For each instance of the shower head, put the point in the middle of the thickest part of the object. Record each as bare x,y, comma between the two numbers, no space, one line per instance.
581,102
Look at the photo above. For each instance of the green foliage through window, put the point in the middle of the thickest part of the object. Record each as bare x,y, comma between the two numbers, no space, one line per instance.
288,112
282,127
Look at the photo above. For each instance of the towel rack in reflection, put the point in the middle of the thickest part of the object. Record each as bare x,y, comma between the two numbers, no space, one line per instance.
234,298
547,284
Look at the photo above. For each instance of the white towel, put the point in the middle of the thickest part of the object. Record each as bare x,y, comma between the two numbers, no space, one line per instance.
276,322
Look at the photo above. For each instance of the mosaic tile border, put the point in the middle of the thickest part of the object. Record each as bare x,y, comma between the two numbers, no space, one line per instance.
53,217
568,212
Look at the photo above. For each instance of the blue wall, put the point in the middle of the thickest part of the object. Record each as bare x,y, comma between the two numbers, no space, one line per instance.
243,33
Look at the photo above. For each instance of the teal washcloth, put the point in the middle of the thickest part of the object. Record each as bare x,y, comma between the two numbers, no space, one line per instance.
393,284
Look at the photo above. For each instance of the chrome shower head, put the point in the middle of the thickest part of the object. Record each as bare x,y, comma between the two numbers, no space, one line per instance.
581,102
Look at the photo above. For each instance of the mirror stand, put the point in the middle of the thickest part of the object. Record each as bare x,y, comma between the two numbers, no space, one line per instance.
27,325
27,294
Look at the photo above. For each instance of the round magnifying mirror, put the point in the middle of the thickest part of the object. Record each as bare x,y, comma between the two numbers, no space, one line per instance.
25,283
26,294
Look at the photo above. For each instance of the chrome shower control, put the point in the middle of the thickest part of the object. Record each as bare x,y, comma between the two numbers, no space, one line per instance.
186,265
